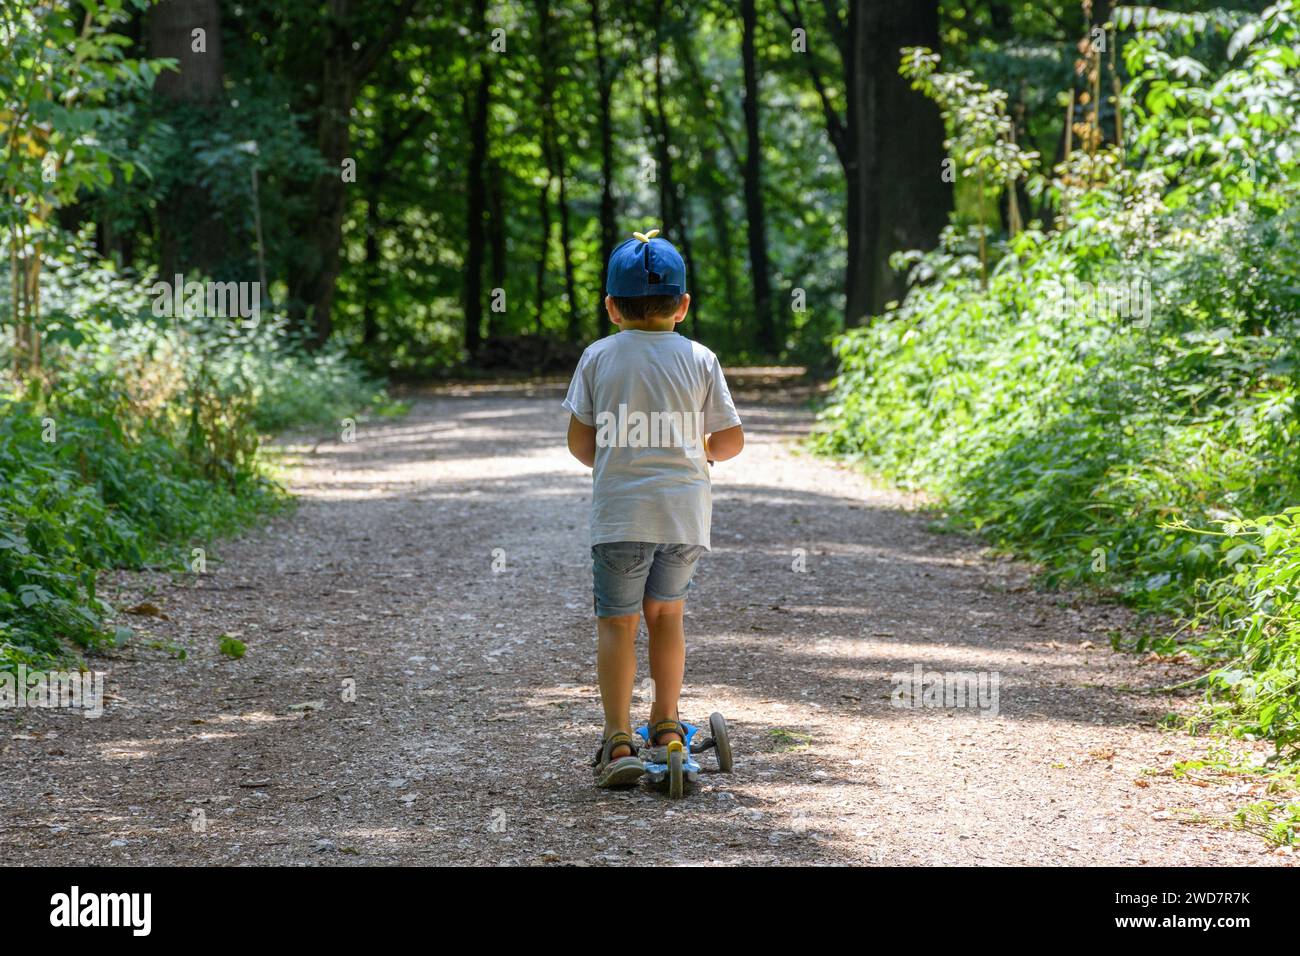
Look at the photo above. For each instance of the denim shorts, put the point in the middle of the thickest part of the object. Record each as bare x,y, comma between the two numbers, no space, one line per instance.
626,572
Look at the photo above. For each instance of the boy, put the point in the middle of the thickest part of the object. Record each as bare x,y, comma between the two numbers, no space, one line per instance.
649,411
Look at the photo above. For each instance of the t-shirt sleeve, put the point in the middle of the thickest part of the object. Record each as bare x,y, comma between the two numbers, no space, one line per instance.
579,400
719,410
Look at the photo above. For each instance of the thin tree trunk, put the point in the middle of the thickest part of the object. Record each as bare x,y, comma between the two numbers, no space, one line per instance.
546,85
718,185
544,210
659,123
391,139
476,193
859,285
608,227
753,175
313,276
575,324
555,161
369,320
722,242
325,234
672,209
497,244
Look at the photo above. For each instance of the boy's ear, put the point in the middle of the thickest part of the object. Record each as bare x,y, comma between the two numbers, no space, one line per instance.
612,310
682,307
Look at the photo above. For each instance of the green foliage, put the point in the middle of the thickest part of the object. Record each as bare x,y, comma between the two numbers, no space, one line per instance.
291,386
143,442
59,75
90,484
1255,611
232,647
981,140
1128,378
1277,822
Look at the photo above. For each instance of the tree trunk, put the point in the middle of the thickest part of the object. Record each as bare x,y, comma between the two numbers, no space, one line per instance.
860,226
897,198
672,208
476,193
325,232
890,143
545,84
608,227
659,124
371,266
497,244
722,240
544,211
753,175
566,245
391,139
191,233
555,160
197,79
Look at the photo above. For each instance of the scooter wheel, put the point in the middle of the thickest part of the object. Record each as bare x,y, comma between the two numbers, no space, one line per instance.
721,741
676,785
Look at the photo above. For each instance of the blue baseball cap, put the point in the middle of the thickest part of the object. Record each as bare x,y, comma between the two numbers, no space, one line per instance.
645,265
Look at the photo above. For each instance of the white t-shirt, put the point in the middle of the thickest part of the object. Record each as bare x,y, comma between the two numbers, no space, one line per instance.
652,397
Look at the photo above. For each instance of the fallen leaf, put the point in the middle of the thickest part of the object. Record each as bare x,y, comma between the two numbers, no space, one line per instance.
145,609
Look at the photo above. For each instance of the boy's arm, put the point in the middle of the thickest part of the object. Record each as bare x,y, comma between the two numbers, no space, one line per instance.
582,441
725,437
719,446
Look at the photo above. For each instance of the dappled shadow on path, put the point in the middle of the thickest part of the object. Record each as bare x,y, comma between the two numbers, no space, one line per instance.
441,562
792,565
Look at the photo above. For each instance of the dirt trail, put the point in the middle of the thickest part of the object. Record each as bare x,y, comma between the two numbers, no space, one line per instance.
476,709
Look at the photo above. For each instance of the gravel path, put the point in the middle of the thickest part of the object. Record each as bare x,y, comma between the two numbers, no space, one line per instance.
475,707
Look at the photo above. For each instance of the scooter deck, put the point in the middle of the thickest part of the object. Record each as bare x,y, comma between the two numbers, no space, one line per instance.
657,773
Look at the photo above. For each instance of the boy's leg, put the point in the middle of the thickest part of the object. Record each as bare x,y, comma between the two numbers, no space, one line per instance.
616,671
619,570
664,604
663,620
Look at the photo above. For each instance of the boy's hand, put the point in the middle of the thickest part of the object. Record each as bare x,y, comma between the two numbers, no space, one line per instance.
582,441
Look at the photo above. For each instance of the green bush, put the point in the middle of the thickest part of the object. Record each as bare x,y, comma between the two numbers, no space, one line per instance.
1255,609
140,440
1115,388
84,486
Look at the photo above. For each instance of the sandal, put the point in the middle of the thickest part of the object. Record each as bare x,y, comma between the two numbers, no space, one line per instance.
617,771
670,725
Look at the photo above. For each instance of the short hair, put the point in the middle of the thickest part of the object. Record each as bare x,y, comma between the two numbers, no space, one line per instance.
644,308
